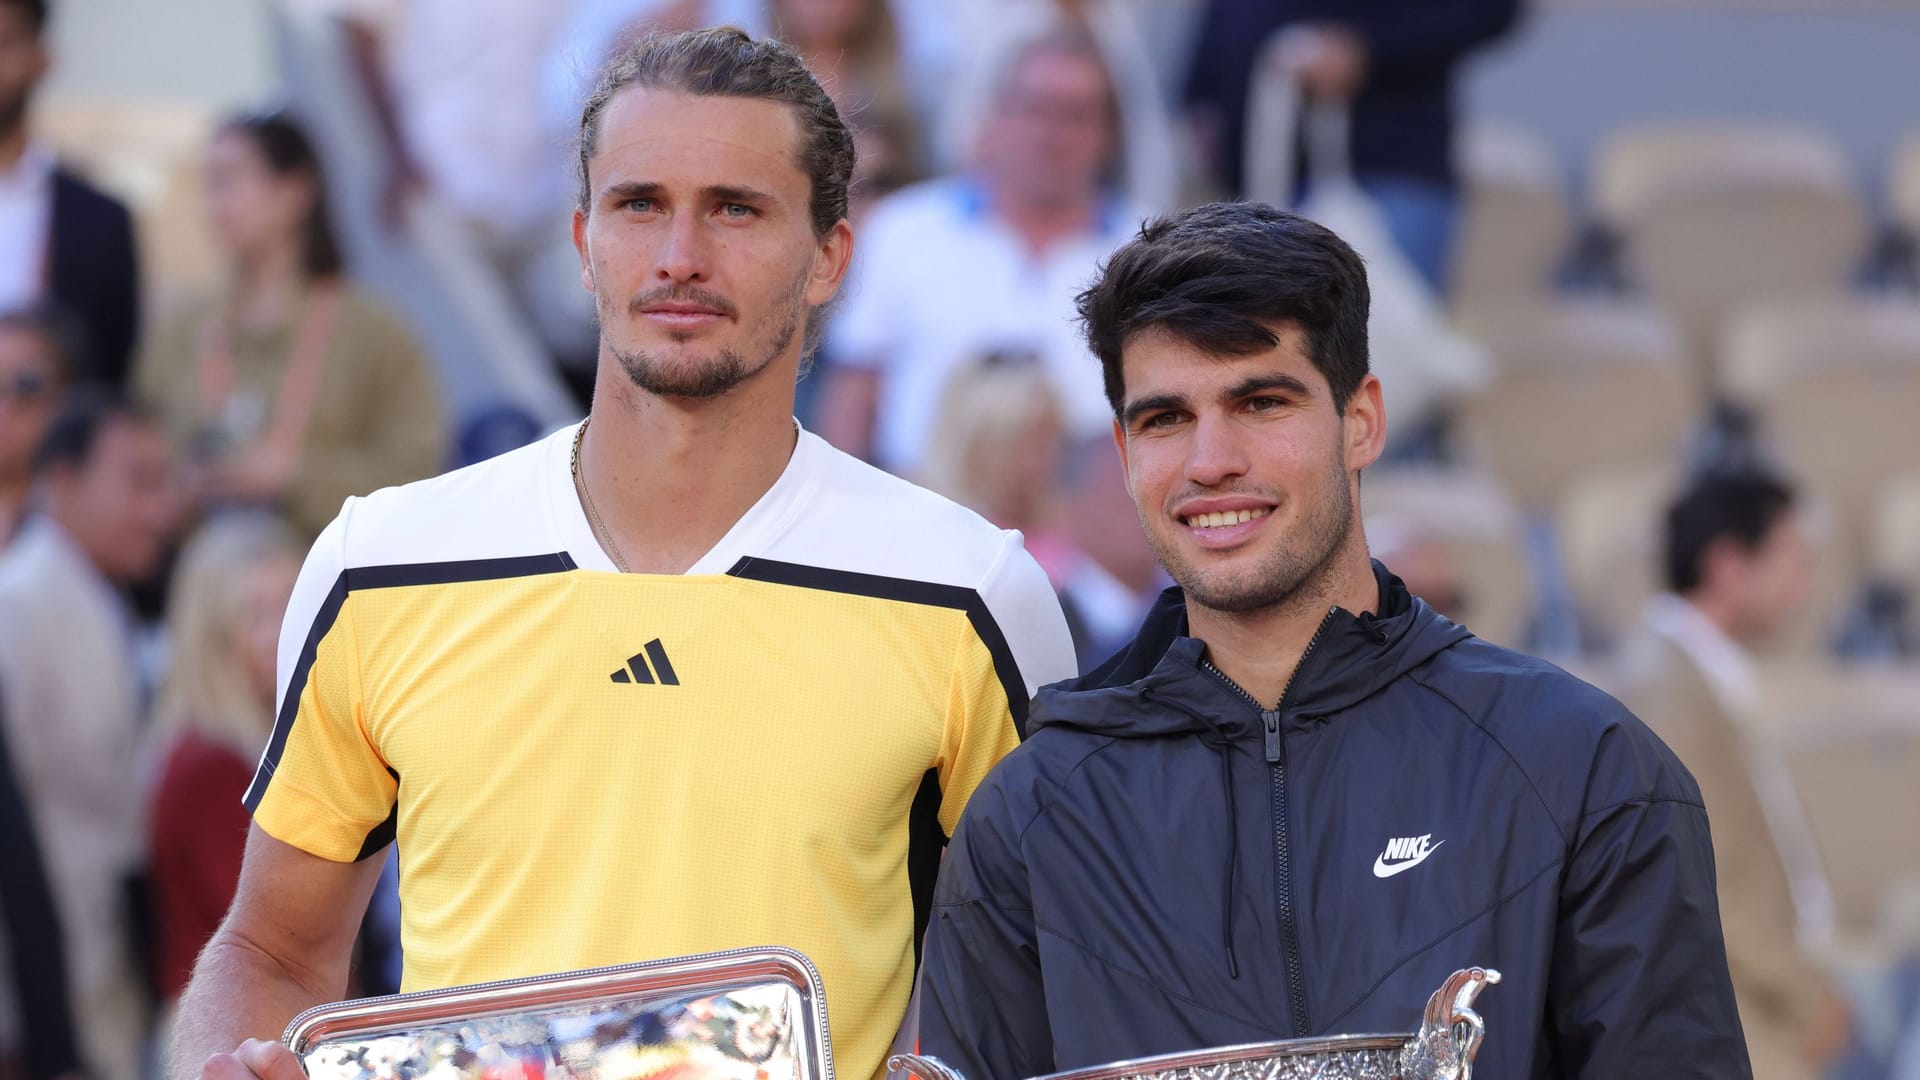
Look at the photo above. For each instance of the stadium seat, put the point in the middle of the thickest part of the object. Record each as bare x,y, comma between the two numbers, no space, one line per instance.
1516,225
1837,383
1903,187
1609,533
1580,387
1894,546
1851,739
1714,216
1477,526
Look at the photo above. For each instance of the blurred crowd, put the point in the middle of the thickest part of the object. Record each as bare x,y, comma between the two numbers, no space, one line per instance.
1655,426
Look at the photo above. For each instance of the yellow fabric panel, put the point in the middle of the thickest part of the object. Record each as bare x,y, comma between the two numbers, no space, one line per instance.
331,786
551,818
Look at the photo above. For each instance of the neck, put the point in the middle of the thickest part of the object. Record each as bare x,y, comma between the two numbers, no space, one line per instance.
13,504
670,476
265,284
1261,650
1718,611
1042,219
79,536
13,147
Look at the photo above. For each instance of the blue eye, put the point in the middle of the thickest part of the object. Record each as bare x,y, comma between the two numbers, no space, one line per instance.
737,210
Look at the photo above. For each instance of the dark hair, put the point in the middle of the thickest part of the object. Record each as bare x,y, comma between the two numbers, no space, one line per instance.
284,145
1744,506
83,415
725,62
36,12
1222,277
59,332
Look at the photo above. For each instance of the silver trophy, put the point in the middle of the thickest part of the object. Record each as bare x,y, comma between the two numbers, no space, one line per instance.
1443,1049
760,1014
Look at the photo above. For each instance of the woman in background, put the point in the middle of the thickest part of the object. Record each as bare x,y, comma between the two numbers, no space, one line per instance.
995,446
853,47
211,721
290,389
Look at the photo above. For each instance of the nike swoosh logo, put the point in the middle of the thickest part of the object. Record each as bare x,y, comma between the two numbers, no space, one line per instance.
1382,870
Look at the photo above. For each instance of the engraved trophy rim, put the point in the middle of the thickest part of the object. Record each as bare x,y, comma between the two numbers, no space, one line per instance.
686,975
1228,1055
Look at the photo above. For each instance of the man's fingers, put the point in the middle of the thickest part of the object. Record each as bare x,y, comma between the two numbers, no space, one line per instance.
269,1060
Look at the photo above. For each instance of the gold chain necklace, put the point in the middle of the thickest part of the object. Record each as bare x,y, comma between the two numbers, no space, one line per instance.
600,530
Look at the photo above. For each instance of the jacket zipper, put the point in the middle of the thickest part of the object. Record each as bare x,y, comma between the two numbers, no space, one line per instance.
1277,800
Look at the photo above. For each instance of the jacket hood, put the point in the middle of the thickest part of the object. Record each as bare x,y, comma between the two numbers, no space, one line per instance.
1159,686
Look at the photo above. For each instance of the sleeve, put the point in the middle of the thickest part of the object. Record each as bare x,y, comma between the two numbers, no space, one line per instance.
39,970
404,437
983,1004
117,325
1639,985
322,784
1021,643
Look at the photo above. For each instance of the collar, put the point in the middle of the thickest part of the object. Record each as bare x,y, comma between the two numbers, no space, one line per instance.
1727,667
33,171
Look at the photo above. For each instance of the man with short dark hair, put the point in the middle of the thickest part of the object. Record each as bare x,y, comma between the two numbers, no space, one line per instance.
679,679
1301,798
62,241
1738,567
108,505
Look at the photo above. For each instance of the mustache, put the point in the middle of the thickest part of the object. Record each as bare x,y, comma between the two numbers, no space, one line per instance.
682,294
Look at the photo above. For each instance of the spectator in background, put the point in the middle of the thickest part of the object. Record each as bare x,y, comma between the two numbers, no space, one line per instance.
1739,565
33,368
61,241
996,439
212,719
291,388
73,704
1394,63
985,262
853,48
1096,555
455,87
36,1007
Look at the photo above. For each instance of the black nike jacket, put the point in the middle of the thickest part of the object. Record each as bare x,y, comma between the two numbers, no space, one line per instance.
1165,866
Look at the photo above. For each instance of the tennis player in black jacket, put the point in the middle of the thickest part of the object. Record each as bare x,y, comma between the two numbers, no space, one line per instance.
1301,798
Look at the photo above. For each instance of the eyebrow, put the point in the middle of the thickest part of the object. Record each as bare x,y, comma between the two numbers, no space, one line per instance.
1258,383
646,189
1141,406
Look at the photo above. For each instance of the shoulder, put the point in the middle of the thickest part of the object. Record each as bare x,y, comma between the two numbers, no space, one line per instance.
1582,750
1033,777
494,509
863,519
363,312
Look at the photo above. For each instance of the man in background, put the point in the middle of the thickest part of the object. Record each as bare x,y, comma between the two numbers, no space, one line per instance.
1738,568
982,263
71,675
61,241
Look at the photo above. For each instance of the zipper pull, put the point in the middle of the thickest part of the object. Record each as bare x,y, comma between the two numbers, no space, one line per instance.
1271,718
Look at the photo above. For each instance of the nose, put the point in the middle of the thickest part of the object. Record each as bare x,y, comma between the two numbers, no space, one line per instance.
683,260
1216,455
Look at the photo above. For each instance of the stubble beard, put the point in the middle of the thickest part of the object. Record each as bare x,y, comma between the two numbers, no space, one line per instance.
722,372
1294,571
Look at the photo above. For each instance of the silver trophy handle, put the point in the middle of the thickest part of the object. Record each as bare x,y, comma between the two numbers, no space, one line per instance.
922,1068
1450,1031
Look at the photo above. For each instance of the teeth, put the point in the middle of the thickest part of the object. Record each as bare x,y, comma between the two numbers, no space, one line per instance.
1222,518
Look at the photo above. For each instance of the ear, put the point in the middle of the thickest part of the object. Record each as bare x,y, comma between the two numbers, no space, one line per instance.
830,262
581,246
1364,426
1120,444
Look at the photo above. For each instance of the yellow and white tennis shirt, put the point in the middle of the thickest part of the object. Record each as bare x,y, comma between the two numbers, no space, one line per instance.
584,767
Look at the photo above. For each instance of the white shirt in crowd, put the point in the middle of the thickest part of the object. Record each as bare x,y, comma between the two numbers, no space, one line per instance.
26,213
940,281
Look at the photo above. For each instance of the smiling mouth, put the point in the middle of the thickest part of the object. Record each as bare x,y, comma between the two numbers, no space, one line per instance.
1220,519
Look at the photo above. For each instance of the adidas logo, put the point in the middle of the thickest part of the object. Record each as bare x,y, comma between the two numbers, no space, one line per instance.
638,671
